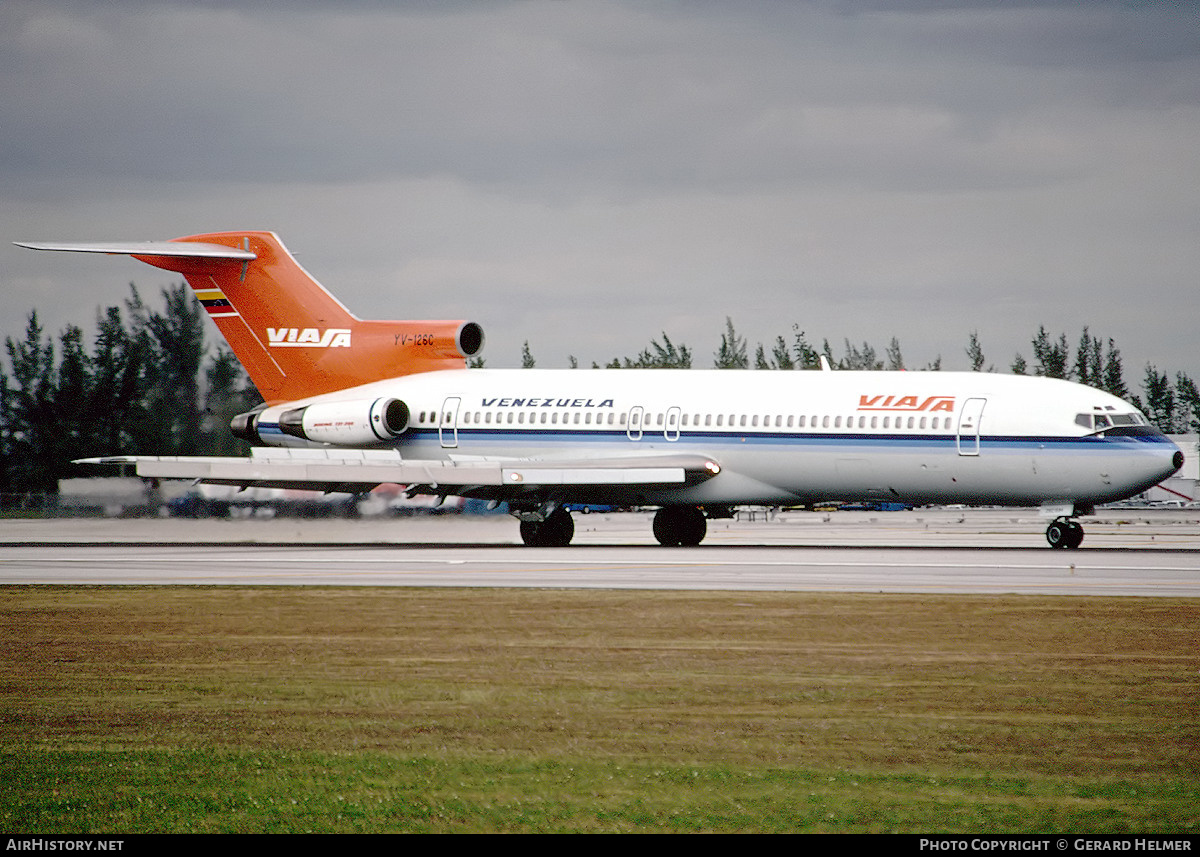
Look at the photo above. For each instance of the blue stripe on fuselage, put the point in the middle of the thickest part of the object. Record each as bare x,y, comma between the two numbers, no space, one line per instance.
560,437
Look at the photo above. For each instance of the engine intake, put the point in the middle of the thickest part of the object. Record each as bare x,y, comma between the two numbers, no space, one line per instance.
347,423
469,339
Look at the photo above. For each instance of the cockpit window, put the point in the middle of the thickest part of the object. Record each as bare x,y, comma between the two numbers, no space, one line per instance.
1114,425
1100,422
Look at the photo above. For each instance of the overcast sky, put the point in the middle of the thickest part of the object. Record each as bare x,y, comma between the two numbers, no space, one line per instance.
589,175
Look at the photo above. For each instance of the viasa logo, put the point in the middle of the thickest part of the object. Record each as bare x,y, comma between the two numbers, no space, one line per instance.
308,337
906,403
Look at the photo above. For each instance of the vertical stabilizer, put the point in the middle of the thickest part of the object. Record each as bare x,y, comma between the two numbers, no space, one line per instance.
293,337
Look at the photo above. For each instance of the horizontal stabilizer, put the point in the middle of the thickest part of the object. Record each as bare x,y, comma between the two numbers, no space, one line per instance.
179,249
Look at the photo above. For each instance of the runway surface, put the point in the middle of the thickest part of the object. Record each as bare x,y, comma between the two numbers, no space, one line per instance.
947,551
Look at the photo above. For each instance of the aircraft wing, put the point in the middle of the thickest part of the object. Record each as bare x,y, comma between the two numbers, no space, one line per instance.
359,470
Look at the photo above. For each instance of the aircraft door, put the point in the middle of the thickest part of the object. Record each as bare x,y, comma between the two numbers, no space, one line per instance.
448,423
671,429
969,421
634,430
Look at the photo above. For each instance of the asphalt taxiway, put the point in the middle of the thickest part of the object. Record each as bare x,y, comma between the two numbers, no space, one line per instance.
1145,553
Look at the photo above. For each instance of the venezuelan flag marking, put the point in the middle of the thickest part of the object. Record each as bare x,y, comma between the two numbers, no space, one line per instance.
215,303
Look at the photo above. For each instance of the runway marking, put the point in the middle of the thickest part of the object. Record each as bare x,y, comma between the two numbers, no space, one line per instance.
633,567
610,564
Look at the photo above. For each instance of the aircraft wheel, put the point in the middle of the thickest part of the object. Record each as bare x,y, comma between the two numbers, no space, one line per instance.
531,533
1064,534
1056,534
555,532
680,525
562,528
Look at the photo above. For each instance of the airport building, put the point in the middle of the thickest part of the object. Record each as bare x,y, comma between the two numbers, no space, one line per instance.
1184,486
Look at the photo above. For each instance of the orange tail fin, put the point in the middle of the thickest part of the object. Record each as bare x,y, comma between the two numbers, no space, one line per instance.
292,336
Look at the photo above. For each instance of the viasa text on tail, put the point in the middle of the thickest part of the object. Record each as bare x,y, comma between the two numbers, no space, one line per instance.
351,404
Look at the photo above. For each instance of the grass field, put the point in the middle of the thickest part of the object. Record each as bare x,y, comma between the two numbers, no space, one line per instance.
139,709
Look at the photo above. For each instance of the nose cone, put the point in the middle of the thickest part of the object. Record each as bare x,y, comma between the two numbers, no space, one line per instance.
1167,463
1171,460
1154,458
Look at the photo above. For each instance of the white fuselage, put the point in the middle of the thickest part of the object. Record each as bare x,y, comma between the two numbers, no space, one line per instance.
788,437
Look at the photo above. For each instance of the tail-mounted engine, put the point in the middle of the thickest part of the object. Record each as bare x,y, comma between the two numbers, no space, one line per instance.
347,423
355,423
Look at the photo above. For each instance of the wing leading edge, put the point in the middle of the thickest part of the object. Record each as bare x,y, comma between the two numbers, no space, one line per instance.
174,249
358,470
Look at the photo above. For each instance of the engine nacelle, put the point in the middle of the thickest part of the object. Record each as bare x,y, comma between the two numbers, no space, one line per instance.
245,427
347,423
468,339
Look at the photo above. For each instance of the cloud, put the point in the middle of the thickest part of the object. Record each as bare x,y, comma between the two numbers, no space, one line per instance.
586,175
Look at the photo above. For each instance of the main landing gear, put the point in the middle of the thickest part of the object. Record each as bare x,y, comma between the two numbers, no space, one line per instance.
1064,533
680,525
673,525
556,531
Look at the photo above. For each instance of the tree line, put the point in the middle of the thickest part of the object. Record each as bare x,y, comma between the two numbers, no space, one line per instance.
148,384
1170,403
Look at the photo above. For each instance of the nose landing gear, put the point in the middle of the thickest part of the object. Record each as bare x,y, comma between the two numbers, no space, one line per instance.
1064,533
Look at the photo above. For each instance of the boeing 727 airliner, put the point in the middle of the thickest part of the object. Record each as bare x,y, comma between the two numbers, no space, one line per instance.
351,404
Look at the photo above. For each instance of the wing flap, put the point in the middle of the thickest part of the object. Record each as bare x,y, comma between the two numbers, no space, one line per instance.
341,468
